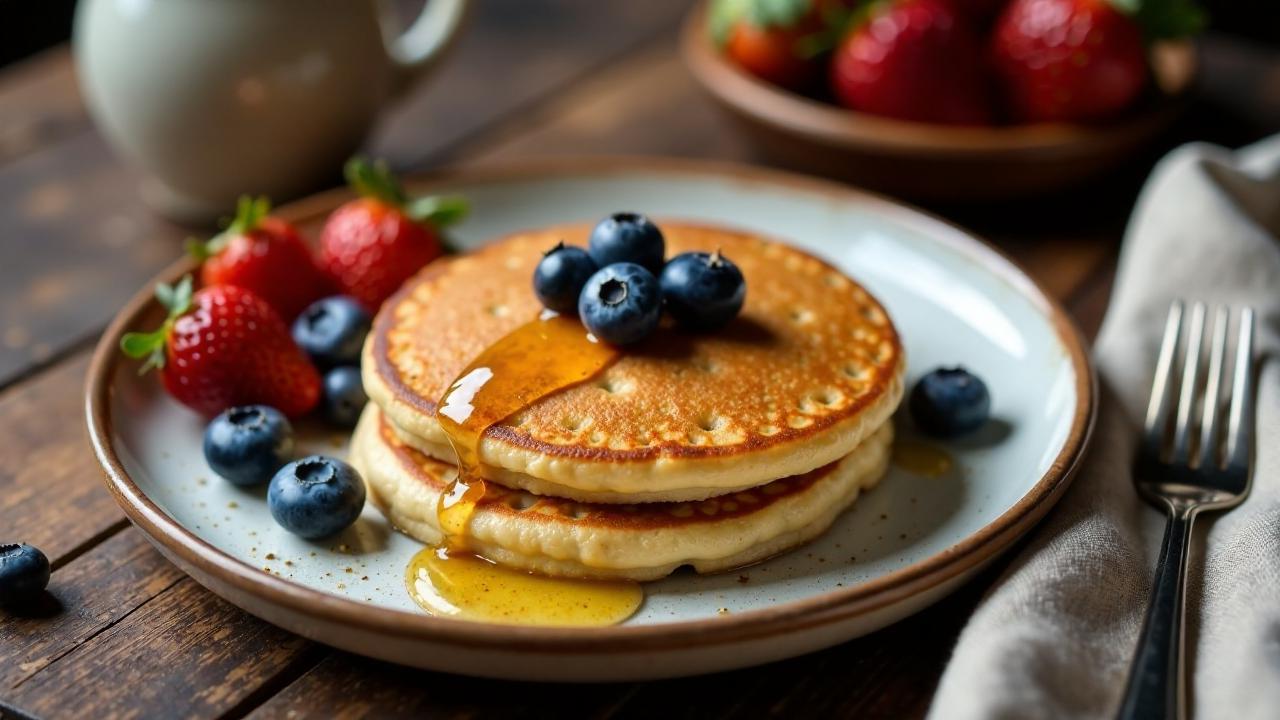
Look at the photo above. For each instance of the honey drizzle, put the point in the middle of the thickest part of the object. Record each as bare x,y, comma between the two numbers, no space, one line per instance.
537,359
541,357
922,459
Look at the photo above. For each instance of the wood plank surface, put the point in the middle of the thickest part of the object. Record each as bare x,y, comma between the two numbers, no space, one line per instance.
88,595
39,104
78,242
186,653
125,634
52,490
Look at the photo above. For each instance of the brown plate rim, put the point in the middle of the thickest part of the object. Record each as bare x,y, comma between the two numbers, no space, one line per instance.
823,609
823,123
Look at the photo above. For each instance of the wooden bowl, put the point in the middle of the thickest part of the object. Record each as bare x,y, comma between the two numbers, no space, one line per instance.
926,161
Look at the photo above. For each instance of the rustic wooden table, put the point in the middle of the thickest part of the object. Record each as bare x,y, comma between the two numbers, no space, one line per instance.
130,635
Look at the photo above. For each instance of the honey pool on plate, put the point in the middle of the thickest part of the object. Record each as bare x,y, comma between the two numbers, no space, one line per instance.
543,356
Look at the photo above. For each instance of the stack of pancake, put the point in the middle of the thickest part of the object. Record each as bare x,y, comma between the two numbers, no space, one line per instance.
713,450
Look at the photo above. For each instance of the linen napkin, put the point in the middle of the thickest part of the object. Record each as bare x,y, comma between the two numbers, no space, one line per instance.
1055,636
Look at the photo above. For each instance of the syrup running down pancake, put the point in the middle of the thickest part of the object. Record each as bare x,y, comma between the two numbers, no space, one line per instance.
811,369
565,538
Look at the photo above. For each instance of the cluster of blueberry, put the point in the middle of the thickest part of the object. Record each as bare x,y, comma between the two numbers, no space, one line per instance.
620,284
331,332
315,496
312,497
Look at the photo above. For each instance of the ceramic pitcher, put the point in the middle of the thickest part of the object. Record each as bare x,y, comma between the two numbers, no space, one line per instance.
217,98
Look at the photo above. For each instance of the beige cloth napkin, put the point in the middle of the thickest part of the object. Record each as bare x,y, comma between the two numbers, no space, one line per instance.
1054,637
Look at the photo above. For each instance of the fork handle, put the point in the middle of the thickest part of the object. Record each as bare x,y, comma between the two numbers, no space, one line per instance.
1155,690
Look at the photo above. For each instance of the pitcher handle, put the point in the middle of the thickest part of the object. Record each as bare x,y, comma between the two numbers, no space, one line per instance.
417,49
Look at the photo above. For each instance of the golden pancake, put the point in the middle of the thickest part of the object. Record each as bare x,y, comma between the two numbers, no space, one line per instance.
645,541
811,368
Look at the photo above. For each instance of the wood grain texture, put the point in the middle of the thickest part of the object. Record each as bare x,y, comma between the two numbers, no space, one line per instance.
88,595
78,241
52,489
350,687
39,104
186,653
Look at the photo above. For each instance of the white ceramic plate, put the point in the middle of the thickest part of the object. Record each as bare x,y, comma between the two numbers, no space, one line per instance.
903,545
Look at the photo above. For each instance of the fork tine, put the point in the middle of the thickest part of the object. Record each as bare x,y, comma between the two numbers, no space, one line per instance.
1213,390
1161,386
1190,379
1240,427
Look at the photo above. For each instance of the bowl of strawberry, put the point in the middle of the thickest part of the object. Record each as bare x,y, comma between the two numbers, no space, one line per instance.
948,100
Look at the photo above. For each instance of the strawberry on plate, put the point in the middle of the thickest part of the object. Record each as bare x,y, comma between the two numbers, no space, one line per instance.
372,244
780,41
1080,60
263,254
224,346
912,60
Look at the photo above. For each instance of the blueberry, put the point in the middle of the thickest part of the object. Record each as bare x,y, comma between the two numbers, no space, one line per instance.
316,496
246,445
560,275
24,573
331,331
344,396
703,291
621,304
628,237
949,402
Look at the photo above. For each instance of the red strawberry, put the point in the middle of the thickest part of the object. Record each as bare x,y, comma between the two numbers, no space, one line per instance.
913,60
778,40
264,254
769,54
225,346
372,244
1068,60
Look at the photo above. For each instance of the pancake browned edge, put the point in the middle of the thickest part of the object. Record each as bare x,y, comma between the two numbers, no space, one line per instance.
811,368
639,542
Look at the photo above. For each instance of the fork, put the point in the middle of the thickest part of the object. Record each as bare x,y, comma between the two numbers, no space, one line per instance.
1184,472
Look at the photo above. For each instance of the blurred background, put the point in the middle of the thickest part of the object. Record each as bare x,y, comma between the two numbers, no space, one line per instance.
525,78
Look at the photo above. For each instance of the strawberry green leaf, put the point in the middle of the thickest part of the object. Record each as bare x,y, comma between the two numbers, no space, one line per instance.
249,212
440,211
147,345
200,250
721,17
164,294
724,14
374,180
778,13
1164,19
175,298
151,345
138,345
181,299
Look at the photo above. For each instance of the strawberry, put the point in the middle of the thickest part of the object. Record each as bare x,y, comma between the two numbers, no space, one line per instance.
1080,60
780,41
225,346
372,244
263,254
912,60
